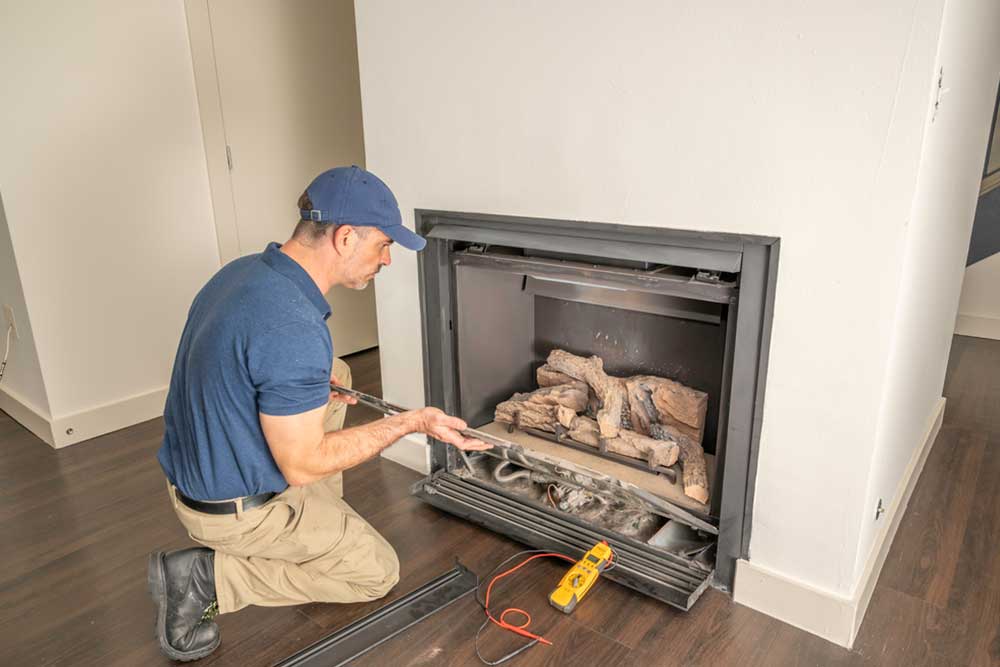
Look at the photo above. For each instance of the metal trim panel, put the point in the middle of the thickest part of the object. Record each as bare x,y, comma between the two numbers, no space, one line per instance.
643,281
698,258
749,373
606,230
435,276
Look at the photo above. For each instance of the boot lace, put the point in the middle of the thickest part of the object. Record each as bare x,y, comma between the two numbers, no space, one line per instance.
211,611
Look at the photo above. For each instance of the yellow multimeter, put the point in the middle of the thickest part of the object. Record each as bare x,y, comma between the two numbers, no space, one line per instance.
581,578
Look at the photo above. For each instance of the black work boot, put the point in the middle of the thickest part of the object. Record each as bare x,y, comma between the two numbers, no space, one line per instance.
183,587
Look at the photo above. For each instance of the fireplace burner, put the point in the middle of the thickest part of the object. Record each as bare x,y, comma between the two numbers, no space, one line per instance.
498,294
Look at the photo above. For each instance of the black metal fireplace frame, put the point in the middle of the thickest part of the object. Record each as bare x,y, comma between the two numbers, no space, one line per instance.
754,257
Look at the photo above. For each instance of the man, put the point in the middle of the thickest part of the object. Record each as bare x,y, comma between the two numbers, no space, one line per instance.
253,449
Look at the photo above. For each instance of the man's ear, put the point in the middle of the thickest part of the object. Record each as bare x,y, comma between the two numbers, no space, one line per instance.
344,238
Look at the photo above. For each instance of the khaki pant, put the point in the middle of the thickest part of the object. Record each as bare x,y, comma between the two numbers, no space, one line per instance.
305,545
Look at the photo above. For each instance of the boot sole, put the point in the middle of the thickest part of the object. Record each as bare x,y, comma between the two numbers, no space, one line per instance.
156,579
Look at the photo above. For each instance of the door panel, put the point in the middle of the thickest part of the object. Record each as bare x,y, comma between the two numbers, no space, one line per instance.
291,104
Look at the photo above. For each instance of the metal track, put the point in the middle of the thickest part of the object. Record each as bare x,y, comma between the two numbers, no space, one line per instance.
363,635
664,576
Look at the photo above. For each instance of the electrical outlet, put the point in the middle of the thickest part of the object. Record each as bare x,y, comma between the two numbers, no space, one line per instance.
8,314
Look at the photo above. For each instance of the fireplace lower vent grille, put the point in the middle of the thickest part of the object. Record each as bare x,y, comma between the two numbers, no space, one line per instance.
664,576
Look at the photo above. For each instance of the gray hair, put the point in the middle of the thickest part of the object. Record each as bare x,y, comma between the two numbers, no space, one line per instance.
309,233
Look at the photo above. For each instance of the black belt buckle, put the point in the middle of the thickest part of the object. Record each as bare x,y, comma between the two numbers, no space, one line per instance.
226,506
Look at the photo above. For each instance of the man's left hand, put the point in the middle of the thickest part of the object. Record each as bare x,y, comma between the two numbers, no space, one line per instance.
337,396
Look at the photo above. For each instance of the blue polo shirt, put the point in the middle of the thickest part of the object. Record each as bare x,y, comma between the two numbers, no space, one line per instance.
255,342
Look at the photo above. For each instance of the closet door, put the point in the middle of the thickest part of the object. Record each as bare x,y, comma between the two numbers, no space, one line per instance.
290,100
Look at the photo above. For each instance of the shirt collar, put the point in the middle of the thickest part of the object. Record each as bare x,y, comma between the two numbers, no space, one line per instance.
292,270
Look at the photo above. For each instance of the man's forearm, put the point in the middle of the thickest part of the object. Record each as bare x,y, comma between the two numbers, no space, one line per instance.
346,448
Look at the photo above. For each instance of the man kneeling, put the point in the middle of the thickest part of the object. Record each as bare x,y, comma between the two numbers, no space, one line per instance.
254,445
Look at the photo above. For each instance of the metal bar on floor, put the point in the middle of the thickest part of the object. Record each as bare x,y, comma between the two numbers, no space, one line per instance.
350,642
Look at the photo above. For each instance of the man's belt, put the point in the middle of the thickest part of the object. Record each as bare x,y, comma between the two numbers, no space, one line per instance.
224,506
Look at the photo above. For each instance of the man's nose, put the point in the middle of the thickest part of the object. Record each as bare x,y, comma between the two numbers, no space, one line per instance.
387,258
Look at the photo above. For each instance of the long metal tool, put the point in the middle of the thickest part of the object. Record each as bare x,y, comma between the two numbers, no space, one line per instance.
567,472
363,635
387,408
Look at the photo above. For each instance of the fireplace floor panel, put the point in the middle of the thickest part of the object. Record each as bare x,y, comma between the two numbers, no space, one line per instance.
665,576
654,483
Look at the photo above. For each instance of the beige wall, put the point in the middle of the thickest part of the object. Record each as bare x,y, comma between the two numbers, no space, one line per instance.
107,200
979,310
750,120
278,84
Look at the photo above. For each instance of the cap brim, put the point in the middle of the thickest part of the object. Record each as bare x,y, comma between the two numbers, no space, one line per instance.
405,237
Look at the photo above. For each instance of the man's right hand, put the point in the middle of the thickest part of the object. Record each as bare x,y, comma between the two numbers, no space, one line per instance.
445,428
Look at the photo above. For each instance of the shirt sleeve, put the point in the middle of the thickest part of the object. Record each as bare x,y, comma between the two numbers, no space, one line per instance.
290,368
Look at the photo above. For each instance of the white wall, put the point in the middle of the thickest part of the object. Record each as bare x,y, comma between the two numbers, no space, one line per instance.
22,381
751,119
937,242
104,182
979,309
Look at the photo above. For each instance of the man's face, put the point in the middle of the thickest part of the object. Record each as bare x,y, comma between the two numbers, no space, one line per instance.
371,253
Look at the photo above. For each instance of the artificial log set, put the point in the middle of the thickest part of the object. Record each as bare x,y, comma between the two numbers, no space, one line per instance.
644,417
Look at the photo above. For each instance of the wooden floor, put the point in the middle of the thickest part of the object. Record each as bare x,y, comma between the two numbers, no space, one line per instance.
76,526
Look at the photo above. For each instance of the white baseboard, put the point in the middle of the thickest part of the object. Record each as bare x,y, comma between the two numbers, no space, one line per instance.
412,452
27,415
836,618
978,326
103,419
814,610
883,541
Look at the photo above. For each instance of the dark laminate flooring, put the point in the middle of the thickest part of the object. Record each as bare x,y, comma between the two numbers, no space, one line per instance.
77,525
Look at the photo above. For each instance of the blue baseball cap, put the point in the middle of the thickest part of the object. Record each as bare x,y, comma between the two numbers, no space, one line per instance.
353,196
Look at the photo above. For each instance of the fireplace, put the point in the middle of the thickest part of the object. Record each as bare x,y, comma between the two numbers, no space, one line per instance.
499,294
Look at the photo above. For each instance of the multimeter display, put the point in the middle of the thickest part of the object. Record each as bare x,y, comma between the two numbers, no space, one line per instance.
580,578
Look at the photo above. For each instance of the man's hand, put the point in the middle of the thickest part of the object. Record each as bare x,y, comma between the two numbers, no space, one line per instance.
336,396
445,428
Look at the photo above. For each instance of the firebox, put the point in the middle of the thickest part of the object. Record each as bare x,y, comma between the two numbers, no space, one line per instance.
625,366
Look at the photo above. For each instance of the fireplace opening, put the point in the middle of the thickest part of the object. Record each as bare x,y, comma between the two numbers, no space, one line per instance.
624,366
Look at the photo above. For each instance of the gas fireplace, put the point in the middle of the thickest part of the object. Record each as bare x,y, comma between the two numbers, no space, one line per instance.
626,365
